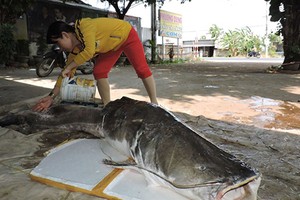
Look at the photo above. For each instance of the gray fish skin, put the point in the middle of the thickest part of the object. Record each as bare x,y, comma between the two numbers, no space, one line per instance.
165,149
162,144
60,117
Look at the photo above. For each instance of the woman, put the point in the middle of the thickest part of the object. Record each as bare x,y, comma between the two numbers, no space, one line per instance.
105,38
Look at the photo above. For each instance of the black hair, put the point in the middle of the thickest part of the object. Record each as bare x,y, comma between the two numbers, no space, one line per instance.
55,30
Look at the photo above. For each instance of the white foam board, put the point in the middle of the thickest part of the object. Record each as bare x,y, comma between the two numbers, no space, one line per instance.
78,164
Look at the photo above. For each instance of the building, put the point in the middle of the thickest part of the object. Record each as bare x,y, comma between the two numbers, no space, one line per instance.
33,25
199,48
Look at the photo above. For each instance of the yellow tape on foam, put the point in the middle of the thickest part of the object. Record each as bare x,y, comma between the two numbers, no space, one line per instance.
96,191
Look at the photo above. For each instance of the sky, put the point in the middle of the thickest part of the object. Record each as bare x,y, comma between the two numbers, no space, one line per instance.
199,15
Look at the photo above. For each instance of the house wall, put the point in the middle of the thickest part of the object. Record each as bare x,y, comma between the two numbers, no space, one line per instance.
21,28
134,21
34,25
43,13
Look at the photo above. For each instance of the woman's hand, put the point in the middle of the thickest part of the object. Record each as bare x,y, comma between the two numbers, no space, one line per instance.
68,69
66,72
43,104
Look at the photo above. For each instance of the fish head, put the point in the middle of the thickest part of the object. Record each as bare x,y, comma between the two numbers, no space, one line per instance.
243,191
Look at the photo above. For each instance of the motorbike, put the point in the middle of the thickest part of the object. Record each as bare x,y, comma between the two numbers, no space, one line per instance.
57,58
253,54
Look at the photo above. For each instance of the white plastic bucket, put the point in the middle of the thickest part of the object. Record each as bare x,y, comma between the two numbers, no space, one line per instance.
78,89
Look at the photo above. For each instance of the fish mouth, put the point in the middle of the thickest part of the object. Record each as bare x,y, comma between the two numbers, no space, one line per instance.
247,189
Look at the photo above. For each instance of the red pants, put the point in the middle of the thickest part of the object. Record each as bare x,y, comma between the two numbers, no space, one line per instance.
133,50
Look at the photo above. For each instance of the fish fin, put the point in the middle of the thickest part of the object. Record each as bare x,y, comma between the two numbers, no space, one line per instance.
124,163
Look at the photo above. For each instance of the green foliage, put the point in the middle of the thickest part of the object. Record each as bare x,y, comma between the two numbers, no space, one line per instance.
215,31
10,10
22,47
275,10
151,44
286,13
241,41
175,61
7,43
274,40
277,13
230,41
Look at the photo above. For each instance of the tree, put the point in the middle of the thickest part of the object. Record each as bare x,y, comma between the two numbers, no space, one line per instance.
275,40
122,8
215,31
230,40
241,41
287,13
7,43
11,10
249,41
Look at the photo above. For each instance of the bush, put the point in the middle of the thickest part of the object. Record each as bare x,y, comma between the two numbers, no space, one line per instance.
22,47
42,45
7,43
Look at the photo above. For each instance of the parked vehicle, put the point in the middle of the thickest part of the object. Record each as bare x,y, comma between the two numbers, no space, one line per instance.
254,54
57,58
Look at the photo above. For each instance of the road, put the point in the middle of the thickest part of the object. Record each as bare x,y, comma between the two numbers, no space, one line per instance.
244,60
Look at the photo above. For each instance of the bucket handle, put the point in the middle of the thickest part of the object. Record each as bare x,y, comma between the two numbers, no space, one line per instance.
67,80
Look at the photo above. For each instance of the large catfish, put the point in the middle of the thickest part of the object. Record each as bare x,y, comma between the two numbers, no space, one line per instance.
168,152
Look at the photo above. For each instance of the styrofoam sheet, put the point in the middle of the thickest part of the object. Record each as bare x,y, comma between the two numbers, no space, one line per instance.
77,166
130,184
78,163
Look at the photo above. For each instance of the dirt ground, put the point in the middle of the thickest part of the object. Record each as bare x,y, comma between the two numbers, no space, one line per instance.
240,107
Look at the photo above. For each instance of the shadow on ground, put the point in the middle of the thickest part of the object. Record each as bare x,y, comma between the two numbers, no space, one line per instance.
240,80
275,154
13,92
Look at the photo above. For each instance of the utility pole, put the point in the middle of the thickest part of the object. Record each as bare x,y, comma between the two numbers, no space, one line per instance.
153,33
267,39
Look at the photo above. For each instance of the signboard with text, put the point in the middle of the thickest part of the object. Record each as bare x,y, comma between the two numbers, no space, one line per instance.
170,24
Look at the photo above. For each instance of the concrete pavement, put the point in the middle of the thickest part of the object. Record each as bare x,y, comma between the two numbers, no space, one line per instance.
18,85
